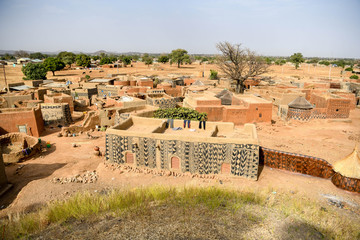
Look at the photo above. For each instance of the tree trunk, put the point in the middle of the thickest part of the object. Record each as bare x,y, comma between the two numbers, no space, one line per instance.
53,73
240,88
178,64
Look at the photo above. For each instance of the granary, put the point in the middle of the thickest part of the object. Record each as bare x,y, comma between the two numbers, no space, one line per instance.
299,109
347,172
220,149
26,120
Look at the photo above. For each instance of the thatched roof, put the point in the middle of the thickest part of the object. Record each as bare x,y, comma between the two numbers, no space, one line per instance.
226,99
198,83
349,166
222,93
301,103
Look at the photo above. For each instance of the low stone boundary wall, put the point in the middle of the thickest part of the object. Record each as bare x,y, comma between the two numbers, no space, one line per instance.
296,163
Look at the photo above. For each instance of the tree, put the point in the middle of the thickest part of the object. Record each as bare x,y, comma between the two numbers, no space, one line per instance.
67,57
297,58
83,60
37,55
239,64
21,53
105,60
8,57
147,59
53,64
213,74
126,60
326,63
163,59
95,57
178,56
34,71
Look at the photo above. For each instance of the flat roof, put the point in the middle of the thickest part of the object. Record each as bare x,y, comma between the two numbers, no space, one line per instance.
101,80
21,88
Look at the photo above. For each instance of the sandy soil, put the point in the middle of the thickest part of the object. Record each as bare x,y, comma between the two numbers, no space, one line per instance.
33,186
321,138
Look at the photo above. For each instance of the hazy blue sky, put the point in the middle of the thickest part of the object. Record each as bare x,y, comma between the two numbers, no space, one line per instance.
325,28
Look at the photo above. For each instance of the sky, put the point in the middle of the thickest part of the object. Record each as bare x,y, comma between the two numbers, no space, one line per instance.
316,28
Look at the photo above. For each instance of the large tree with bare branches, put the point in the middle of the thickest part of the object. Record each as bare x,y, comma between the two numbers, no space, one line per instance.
239,63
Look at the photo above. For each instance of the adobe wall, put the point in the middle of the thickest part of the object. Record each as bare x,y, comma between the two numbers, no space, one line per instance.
296,163
259,112
349,184
163,103
148,83
299,114
350,96
338,108
188,81
194,157
60,98
3,178
11,118
214,113
56,113
12,99
39,94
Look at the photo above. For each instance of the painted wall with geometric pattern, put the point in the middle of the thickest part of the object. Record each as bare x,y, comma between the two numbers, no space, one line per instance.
195,157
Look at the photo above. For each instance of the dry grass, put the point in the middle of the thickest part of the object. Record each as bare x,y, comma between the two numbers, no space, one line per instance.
205,213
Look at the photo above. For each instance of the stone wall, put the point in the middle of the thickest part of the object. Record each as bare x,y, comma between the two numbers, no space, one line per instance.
296,163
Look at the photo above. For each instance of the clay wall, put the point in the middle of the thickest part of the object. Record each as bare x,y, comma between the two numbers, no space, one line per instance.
122,83
56,113
11,119
214,113
60,98
12,99
338,108
350,96
148,83
188,81
194,155
296,163
319,101
235,114
349,184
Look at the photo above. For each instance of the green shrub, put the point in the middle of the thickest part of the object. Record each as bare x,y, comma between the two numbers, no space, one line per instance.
354,77
34,71
180,113
349,69
213,74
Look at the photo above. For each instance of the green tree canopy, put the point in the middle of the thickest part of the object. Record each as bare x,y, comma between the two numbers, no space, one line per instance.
37,55
163,58
34,71
297,58
126,59
53,64
8,57
95,57
105,60
178,56
83,60
180,113
147,59
67,57
324,62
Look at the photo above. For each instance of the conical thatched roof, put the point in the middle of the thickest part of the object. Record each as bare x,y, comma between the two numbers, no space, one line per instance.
222,93
198,83
349,166
226,99
301,103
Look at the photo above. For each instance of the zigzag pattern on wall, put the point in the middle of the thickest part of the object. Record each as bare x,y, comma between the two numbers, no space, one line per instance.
198,157
245,160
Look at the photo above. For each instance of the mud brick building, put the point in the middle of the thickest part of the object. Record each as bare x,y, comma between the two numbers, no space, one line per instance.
242,109
160,100
146,142
56,113
27,120
60,98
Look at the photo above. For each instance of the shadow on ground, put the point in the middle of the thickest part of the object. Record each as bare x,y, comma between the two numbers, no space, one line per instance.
20,175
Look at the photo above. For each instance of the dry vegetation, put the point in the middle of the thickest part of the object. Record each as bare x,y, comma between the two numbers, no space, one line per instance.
185,213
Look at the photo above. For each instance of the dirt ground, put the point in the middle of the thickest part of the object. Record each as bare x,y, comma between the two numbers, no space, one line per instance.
32,179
